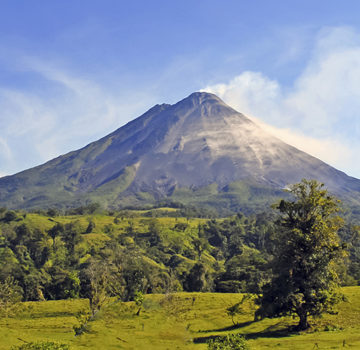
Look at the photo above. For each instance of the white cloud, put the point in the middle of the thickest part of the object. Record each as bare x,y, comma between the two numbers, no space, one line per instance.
40,124
319,113
251,93
4,149
340,155
5,157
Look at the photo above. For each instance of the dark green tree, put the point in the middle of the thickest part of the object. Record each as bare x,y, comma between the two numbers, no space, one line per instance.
55,231
154,233
63,284
307,248
10,216
72,237
90,227
196,280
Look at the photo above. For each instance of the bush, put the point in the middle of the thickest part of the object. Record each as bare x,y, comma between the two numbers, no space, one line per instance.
228,342
84,326
42,346
10,216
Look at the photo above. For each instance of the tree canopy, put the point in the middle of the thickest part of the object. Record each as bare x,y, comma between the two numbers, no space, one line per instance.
307,248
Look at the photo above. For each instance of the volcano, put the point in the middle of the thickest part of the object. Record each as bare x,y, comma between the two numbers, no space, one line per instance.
197,151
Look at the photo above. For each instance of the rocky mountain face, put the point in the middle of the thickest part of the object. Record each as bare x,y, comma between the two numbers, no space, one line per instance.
198,150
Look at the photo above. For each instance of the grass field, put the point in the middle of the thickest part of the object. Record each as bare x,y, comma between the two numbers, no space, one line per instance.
177,321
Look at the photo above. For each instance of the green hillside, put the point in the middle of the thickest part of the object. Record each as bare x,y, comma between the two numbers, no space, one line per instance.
177,321
245,196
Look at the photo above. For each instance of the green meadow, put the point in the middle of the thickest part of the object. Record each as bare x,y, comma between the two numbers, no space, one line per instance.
177,321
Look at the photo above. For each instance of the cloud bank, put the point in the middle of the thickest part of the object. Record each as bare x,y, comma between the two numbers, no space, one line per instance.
320,112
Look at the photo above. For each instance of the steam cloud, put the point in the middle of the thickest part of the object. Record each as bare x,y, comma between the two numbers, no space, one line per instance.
319,112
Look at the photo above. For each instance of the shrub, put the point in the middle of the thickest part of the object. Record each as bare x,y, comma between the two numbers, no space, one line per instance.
84,326
228,342
10,216
42,346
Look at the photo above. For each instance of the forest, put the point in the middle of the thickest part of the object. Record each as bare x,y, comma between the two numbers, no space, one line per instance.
54,256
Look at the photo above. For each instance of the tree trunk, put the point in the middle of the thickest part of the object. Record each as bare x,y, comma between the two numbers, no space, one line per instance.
303,324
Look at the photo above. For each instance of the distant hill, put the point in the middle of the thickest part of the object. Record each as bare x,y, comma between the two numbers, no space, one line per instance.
198,151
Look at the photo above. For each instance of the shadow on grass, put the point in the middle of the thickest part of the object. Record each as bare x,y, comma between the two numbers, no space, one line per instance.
270,332
229,328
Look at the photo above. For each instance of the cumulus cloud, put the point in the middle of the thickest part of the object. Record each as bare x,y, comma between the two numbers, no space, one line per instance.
319,112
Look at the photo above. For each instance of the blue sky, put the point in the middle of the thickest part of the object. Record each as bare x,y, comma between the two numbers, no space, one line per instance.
73,71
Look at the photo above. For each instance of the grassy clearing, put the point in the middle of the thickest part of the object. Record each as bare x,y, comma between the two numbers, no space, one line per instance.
108,226
178,321
102,222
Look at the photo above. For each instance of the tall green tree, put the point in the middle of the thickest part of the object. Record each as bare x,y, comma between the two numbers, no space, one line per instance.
307,248
94,280
10,296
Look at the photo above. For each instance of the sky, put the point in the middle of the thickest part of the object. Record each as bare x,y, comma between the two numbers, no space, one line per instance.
72,71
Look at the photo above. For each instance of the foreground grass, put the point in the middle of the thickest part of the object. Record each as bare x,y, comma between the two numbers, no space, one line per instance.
178,321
